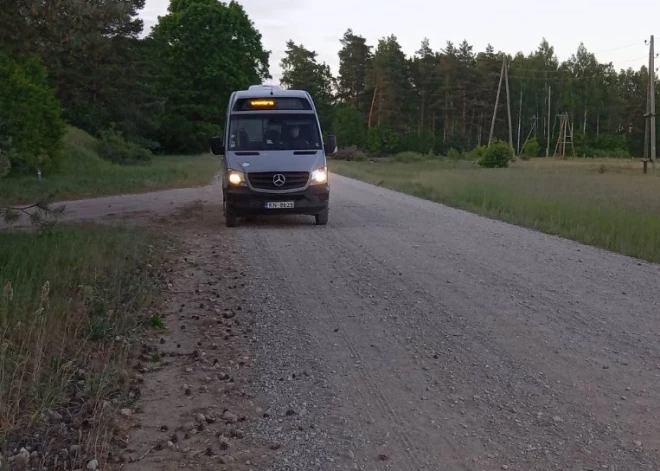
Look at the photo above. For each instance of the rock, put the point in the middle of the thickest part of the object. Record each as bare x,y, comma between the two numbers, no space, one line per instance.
200,419
55,417
224,443
638,444
229,417
126,412
93,465
74,449
22,458
505,466
192,454
226,459
237,433
170,445
556,419
188,426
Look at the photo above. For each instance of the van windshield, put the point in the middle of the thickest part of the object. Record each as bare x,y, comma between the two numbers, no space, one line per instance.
274,132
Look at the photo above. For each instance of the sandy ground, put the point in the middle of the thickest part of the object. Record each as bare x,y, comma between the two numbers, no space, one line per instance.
404,335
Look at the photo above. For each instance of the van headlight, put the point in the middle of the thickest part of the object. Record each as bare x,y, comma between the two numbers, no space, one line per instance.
320,176
236,178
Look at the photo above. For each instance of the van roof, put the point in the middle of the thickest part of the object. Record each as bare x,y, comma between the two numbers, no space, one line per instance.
259,91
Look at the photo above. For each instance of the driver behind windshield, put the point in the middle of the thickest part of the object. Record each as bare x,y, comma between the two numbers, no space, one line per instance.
296,141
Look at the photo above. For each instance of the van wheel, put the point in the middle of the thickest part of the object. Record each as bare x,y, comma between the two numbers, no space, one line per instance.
231,220
322,218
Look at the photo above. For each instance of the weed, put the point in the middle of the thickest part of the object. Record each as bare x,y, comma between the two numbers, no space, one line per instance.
64,298
156,322
409,157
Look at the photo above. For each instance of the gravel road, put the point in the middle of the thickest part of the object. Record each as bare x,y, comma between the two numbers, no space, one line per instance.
409,336
440,340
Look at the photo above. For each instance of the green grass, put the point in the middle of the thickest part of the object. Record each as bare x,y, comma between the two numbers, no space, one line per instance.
65,295
84,174
606,203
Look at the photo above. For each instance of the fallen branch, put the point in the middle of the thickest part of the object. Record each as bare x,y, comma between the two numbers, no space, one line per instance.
40,213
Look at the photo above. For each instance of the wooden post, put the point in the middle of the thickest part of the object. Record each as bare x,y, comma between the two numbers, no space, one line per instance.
547,148
497,102
520,119
652,92
508,104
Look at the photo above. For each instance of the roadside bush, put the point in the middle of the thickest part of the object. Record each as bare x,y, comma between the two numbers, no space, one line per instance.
498,155
453,154
476,153
115,148
409,157
603,154
350,126
350,154
382,141
30,117
530,149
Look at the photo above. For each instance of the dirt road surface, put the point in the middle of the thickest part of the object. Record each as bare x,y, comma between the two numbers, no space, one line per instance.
403,336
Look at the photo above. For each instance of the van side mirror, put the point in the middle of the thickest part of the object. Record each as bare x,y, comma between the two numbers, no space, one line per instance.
330,145
217,146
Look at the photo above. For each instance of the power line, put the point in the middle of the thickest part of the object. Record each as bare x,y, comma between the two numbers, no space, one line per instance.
619,48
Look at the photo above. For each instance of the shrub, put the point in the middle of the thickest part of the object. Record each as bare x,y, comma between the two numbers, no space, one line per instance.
409,157
453,154
476,153
350,126
115,148
30,116
530,149
350,154
382,141
497,155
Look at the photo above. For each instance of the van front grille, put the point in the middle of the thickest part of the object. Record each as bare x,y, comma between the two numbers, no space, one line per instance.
267,180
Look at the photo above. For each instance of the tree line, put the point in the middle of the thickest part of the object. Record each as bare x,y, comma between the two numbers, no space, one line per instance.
443,100
84,62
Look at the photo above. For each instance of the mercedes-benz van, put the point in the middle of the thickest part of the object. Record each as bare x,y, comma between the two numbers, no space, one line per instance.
274,156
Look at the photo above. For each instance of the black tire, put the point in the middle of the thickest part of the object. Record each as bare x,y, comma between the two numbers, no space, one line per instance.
230,219
322,218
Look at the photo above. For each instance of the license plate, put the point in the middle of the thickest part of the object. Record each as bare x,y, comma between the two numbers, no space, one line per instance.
279,205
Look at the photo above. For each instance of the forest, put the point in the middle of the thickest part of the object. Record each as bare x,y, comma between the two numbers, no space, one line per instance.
87,64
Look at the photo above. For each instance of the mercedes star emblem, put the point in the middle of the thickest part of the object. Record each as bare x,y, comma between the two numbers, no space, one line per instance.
279,179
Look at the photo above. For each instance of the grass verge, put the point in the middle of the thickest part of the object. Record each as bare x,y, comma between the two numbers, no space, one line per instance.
607,204
70,299
84,174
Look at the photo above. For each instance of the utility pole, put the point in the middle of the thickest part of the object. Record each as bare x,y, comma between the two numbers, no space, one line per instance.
652,92
547,148
497,102
520,118
508,104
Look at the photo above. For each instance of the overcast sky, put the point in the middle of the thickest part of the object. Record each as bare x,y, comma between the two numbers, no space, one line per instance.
614,30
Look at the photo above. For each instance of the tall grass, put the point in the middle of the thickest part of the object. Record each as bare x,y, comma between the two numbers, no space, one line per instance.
84,174
68,298
614,207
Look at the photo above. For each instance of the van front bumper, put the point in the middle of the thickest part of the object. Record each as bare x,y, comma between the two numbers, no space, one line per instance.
242,201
